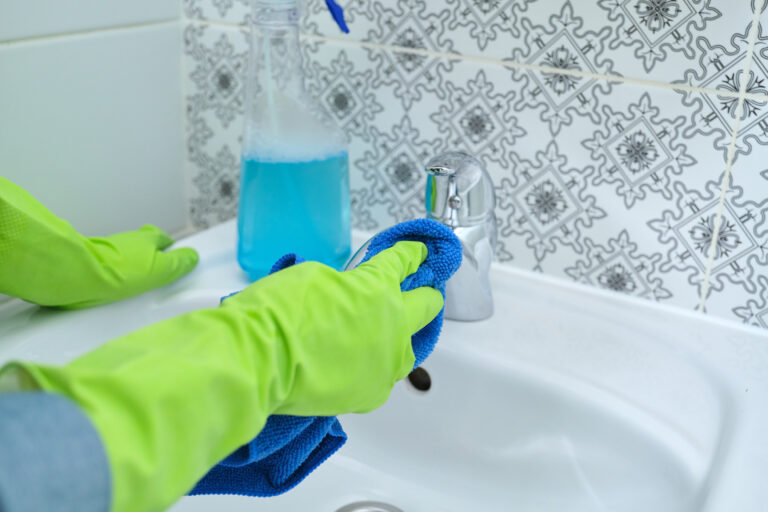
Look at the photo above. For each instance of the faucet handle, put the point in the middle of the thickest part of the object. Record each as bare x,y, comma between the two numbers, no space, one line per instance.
459,190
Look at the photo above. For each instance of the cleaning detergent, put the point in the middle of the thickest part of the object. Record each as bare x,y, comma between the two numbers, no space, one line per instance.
290,206
294,178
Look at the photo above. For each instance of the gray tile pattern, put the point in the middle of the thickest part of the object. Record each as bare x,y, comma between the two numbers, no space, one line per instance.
602,177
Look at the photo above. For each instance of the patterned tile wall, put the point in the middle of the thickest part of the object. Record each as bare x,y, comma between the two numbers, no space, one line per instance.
627,139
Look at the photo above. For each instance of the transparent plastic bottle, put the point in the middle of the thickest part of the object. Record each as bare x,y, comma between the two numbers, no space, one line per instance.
294,178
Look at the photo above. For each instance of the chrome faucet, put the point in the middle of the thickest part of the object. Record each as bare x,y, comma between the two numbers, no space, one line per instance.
460,195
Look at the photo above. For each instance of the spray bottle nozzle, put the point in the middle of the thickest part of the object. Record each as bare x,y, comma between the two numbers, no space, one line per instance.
338,15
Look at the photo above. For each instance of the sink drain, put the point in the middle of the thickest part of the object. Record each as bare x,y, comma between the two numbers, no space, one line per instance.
369,506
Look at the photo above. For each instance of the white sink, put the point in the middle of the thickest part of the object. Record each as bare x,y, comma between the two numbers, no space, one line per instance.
567,399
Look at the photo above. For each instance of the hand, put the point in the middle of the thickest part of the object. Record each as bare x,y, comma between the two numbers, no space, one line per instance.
173,399
348,333
45,261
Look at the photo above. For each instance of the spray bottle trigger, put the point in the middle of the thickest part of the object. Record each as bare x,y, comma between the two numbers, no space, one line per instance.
338,15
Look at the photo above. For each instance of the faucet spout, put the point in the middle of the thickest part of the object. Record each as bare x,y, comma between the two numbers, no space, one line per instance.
468,293
460,195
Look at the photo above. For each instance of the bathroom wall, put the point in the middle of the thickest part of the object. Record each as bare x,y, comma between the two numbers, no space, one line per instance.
628,139
91,115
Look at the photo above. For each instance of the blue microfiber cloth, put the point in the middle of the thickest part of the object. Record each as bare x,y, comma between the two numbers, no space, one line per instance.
442,262
290,447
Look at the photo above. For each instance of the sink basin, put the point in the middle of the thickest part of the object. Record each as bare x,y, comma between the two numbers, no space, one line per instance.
568,398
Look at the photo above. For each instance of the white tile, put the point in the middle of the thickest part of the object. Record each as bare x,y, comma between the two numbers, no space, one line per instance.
214,84
361,15
223,11
488,29
603,197
739,280
632,222
668,40
739,277
674,40
20,19
92,126
648,40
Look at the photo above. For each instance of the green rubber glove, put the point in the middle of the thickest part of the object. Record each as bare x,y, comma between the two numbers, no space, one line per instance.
45,261
173,399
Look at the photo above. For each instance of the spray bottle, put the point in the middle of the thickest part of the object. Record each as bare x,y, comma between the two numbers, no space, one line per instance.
294,177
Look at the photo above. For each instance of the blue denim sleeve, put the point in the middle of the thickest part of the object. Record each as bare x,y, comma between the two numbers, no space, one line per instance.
51,456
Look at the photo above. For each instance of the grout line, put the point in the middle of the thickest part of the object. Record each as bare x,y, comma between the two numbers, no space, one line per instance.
724,183
187,168
503,63
75,33
530,67
219,24
189,228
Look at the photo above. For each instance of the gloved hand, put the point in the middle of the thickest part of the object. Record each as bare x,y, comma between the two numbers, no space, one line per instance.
45,261
173,399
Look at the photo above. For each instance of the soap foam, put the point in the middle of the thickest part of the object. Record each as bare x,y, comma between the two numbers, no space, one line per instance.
292,152
285,130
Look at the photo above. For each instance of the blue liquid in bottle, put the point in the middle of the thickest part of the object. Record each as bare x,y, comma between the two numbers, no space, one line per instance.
299,207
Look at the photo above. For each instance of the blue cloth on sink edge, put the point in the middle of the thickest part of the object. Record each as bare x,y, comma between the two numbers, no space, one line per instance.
290,447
